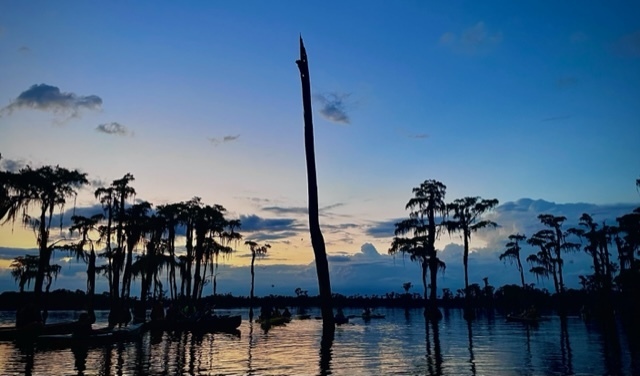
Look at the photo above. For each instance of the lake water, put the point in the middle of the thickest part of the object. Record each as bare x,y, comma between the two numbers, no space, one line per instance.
397,345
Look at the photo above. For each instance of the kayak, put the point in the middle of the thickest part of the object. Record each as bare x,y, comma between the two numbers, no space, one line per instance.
93,338
30,331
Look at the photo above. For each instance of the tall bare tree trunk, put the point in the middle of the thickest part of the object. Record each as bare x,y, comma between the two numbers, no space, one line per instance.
317,241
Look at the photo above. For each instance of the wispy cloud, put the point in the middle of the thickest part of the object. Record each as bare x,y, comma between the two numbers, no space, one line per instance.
24,50
286,209
383,229
255,223
474,40
419,136
300,210
333,106
114,128
225,139
49,98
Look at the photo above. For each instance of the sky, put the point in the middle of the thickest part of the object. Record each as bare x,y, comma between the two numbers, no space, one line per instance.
534,103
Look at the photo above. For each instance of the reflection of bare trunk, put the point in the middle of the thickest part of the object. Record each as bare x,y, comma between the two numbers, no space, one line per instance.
471,356
565,346
434,356
317,240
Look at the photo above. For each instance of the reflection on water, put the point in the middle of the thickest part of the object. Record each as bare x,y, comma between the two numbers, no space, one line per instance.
434,353
471,359
403,343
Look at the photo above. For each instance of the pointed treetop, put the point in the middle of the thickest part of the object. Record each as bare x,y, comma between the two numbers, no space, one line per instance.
303,53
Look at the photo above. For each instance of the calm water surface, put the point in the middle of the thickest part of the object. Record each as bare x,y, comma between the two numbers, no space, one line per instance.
397,345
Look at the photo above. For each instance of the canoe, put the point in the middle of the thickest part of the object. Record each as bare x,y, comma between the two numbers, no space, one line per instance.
208,324
303,317
31,331
98,337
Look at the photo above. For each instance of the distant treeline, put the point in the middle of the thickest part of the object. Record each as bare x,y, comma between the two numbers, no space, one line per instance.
507,298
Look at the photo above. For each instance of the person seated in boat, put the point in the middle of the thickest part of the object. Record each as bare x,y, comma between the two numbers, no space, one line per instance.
208,310
83,325
157,311
340,315
286,313
173,313
366,311
532,313
265,312
276,313
119,315
188,310
28,315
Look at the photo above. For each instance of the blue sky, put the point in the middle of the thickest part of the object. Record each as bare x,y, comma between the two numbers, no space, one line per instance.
521,100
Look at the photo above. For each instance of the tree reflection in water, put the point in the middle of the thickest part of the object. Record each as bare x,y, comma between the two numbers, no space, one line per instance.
528,360
252,344
26,355
611,347
80,358
434,356
328,334
472,361
141,363
565,346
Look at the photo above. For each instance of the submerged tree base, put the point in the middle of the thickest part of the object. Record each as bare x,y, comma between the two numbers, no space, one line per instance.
432,313
469,314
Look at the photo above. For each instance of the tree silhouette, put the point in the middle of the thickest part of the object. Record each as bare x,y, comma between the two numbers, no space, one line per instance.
24,269
513,253
106,197
542,262
171,215
416,236
465,216
317,240
46,188
222,247
84,226
256,251
135,224
557,243
627,239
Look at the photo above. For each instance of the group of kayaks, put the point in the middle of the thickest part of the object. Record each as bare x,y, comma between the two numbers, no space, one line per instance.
67,334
